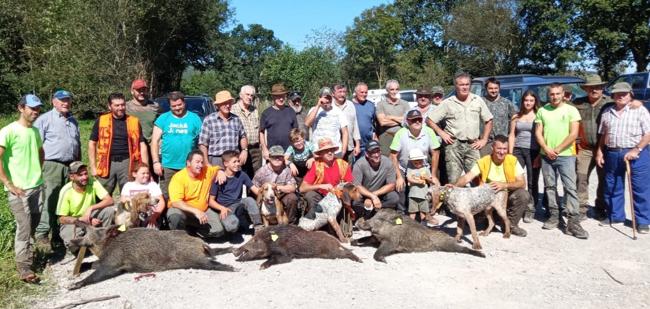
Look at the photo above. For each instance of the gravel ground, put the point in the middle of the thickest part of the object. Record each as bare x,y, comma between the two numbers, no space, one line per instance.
547,269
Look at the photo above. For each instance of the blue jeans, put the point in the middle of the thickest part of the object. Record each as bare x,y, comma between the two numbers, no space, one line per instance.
615,185
566,167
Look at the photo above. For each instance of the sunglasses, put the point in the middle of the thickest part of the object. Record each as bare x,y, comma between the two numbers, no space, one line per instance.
415,120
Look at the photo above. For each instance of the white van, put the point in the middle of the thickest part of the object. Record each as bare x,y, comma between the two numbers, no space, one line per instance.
377,95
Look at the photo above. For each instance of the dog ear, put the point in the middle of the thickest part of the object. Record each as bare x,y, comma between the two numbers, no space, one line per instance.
345,198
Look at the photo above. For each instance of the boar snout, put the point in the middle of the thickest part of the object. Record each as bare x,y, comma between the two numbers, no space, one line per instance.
362,224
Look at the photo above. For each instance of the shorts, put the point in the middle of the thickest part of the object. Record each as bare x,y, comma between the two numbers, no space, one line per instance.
417,204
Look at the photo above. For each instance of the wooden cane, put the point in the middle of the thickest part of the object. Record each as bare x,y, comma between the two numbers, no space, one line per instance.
628,173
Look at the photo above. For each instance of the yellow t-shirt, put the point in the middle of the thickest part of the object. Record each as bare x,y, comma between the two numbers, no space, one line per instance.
193,191
496,172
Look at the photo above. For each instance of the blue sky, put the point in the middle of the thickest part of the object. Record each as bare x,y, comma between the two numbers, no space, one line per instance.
292,20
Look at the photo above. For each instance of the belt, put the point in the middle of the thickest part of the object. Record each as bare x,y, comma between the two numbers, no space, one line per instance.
256,145
467,141
118,158
66,163
612,149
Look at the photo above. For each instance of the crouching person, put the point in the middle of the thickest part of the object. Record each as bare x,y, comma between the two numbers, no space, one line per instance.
228,199
82,199
188,197
374,176
502,171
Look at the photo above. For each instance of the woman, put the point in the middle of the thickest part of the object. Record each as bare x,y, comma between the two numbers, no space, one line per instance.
523,145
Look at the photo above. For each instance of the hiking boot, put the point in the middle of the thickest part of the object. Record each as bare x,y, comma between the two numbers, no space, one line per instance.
517,231
552,222
529,216
43,244
574,228
643,229
583,217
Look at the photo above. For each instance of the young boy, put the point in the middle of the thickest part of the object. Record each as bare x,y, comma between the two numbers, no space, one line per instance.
228,199
300,155
419,178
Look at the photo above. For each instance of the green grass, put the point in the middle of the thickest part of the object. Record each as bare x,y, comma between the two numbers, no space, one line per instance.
13,292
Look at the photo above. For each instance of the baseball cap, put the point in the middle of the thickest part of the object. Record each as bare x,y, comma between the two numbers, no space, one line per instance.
139,84
62,94
31,100
76,166
372,145
294,95
325,92
438,90
276,151
621,87
414,113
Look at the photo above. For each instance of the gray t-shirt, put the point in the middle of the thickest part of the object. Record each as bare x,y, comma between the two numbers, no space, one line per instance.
373,179
418,190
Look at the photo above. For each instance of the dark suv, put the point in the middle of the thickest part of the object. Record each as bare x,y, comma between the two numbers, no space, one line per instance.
201,105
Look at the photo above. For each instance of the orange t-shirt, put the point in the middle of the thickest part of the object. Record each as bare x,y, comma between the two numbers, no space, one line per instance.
193,191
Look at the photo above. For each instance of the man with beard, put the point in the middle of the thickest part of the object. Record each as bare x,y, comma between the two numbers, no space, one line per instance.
144,109
502,110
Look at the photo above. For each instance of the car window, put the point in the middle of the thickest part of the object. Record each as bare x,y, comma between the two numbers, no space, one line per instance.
408,96
514,95
476,88
637,81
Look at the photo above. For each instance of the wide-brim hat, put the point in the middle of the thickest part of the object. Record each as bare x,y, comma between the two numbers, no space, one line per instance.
278,89
621,87
593,80
276,151
325,143
222,97
438,90
424,91
416,154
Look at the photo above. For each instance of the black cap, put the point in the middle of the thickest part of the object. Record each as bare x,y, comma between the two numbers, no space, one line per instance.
372,145
414,113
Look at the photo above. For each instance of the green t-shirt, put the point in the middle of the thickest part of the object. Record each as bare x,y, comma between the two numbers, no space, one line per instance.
21,159
74,204
557,124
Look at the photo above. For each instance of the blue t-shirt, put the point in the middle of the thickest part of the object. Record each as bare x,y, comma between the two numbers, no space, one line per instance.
179,137
231,190
277,124
366,120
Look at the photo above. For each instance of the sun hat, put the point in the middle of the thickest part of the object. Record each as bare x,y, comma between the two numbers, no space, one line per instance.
222,97
621,87
416,154
325,143
278,89
593,80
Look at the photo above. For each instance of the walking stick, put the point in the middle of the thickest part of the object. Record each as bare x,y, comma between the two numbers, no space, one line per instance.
628,173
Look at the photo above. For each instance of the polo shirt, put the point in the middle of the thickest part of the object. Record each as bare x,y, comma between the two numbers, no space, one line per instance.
75,204
404,141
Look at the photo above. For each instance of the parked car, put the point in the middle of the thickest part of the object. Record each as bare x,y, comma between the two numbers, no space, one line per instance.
376,95
201,105
640,83
513,86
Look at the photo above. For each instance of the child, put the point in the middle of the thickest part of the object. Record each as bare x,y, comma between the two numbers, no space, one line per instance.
229,199
141,182
419,178
299,155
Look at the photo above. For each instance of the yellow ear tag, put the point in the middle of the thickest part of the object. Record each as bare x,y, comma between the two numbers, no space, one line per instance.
122,228
398,221
274,237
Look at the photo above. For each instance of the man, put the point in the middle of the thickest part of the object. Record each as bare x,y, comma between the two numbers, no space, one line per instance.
502,172
189,190
178,131
22,158
324,175
326,121
82,199
390,115
423,98
502,110
295,102
438,95
462,115
59,132
276,121
145,110
222,131
374,176
437,98
116,144
247,112
276,172
590,108
366,118
556,131
346,107
624,136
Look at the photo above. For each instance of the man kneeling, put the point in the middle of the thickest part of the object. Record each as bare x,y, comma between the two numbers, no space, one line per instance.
502,171
188,197
78,202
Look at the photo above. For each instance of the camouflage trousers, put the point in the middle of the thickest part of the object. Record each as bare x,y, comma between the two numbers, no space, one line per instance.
459,158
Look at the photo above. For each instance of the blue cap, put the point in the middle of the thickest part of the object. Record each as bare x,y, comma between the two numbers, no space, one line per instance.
31,100
62,94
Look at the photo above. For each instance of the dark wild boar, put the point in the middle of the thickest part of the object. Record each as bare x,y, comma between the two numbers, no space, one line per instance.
282,243
145,250
397,233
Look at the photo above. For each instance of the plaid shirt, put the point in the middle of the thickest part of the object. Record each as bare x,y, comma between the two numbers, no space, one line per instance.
251,121
266,174
624,130
220,135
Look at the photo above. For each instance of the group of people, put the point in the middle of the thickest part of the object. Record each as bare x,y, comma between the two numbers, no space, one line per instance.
203,174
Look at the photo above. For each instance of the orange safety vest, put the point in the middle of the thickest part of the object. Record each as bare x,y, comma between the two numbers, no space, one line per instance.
320,170
105,140
509,166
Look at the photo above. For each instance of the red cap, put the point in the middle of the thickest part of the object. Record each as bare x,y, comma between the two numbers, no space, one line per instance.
138,84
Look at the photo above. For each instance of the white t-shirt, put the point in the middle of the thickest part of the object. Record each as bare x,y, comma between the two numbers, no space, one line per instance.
132,188
328,124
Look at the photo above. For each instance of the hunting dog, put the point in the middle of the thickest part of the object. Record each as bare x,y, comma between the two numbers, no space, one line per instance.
135,213
329,207
271,207
466,202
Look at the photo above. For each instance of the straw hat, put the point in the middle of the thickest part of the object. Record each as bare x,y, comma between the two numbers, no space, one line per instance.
325,143
222,97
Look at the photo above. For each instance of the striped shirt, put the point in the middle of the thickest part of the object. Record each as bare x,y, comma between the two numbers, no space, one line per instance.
251,121
624,130
220,135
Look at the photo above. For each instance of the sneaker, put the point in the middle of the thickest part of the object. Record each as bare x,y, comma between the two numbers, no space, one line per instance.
551,223
517,231
643,228
607,222
574,228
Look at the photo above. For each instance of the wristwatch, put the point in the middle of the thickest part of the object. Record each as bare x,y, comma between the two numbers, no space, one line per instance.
639,149
245,149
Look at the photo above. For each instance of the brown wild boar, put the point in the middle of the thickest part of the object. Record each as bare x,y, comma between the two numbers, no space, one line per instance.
396,233
145,250
282,243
